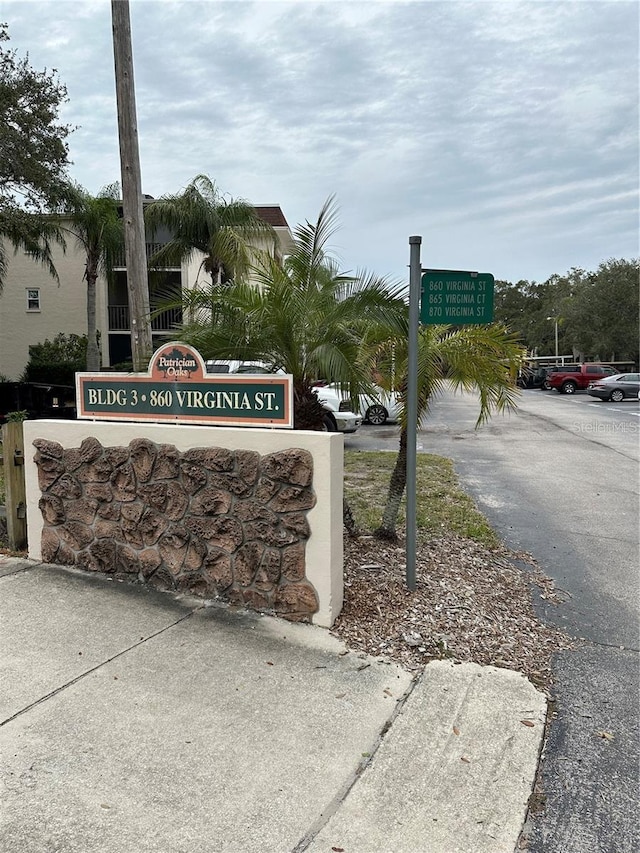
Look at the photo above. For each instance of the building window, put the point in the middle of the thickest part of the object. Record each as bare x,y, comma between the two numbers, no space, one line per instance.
33,299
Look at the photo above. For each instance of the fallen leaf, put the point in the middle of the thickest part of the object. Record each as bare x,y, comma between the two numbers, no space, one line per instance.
606,735
529,723
465,759
456,730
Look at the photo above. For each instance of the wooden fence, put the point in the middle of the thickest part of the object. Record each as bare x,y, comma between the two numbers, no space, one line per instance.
15,494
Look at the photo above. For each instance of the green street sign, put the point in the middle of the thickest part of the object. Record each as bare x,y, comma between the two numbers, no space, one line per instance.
456,297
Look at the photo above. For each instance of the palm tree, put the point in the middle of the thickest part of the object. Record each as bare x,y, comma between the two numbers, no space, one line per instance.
481,358
201,220
95,225
303,315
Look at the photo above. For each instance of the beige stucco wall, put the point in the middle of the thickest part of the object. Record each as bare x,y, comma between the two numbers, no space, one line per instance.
194,274
63,305
324,552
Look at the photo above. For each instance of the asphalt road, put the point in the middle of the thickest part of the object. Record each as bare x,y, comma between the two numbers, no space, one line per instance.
559,479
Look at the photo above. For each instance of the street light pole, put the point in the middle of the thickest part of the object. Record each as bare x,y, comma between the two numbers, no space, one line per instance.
555,320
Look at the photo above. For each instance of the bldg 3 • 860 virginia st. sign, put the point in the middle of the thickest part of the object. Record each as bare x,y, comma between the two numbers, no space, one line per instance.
456,297
176,388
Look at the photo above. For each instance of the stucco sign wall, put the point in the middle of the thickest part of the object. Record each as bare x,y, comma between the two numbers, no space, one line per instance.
252,516
176,388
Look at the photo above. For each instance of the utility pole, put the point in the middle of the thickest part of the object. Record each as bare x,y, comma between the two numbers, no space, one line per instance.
134,235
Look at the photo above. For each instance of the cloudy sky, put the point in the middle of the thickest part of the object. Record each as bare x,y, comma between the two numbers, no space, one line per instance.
504,133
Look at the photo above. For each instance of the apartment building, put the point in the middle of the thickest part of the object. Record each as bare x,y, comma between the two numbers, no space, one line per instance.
35,307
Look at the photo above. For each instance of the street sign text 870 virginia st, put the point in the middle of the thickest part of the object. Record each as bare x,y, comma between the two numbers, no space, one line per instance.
450,296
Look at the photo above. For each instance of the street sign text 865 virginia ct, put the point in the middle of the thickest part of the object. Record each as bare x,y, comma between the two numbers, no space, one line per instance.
456,297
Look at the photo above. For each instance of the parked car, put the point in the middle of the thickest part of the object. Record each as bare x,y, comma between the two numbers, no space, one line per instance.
537,376
569,381
616,388
236,367
549,369
336,418
378,409
382,408
531,377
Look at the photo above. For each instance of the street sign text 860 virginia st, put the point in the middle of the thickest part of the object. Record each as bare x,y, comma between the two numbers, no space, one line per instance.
450,296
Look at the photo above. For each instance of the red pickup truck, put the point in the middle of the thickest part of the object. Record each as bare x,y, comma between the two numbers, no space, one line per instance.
568,382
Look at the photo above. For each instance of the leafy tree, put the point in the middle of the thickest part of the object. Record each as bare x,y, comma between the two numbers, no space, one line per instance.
305,316
201,220
93,222
603,317
526,308
473,358
56,361
597,312
34,155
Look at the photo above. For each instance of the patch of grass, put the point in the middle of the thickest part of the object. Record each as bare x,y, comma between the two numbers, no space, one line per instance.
442,506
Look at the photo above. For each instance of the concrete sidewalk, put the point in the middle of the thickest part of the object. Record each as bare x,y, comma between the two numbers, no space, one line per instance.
135,721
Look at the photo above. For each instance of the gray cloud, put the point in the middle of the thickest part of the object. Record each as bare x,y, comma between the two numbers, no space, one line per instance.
504,132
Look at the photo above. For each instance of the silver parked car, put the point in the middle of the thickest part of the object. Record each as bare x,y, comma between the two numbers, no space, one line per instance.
616,388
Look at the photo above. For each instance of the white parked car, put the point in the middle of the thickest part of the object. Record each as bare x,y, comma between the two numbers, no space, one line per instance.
381,408
237,367
336,419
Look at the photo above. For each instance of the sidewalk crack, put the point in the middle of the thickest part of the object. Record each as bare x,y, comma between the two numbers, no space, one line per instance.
333,806
98,666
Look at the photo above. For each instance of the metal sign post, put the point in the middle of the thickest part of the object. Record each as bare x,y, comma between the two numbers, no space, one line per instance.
412,406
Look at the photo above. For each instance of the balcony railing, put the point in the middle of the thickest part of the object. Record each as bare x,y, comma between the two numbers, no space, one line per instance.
120,261
163,322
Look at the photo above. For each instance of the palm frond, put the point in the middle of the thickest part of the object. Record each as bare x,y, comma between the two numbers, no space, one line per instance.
31,233
202,220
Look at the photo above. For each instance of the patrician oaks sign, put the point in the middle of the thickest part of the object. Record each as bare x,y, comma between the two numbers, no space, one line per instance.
177,388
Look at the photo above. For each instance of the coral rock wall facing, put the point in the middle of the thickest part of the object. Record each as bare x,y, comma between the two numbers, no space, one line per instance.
210,521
